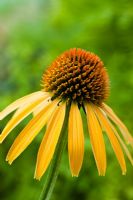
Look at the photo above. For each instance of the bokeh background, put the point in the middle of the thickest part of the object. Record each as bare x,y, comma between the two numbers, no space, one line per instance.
32,34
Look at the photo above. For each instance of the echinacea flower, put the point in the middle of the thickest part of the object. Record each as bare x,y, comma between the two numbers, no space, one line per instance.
77,78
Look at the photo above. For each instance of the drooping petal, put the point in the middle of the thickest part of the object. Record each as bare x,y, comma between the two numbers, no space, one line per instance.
22,113
30,131
40,106
50,140
121,142
46,97
113,139
127,136
96,138
18,103
75,140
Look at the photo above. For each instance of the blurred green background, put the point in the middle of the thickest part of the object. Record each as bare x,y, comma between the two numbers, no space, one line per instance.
32,34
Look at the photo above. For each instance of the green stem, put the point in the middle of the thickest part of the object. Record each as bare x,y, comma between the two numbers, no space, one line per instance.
54,168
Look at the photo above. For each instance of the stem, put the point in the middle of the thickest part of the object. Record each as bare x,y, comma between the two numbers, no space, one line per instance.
54,168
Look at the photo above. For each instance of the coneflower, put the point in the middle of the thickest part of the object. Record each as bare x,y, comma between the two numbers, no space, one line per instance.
77,78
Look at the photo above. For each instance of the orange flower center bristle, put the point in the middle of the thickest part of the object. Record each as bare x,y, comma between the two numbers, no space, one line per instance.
77,75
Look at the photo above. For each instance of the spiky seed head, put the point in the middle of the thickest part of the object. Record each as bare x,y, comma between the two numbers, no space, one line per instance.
77,75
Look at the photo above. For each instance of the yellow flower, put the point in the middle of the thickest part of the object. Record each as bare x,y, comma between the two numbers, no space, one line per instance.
77,78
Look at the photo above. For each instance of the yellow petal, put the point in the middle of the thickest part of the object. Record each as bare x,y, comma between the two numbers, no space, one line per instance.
121,142
46,97
30,131
18,103
113,140
127,136
39,107
96,138
49,141
20,115
75,140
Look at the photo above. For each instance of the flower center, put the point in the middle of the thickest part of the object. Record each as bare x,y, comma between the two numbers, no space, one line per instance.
77,75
